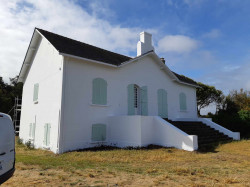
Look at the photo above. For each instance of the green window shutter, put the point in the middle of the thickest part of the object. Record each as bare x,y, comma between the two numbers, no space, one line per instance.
45,134
30,130
33,130
98,132
165,104
48,134
99,91
103,92
160,102
35,94
144,101
183,102
95,91
46,140
131,109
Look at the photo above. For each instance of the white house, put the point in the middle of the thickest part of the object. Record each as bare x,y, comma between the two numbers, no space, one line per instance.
77,96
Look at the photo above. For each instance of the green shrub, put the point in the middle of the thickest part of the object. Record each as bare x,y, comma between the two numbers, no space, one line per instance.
19,141
29,145
244,115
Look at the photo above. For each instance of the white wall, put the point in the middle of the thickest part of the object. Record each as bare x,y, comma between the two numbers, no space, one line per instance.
47,71
79,114
136,131
168,135
124,131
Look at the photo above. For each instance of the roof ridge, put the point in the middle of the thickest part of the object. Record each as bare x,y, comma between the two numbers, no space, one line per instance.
83,43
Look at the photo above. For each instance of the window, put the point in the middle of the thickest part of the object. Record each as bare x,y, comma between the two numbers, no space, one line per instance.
136,96
35,93
32,130
131,99
137,100
144,100
162,103
183,101
46,140
99,92
98,132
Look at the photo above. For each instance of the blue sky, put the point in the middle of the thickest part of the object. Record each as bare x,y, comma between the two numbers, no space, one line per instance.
209,41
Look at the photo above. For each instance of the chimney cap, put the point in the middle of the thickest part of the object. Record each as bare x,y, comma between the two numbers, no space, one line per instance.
144,32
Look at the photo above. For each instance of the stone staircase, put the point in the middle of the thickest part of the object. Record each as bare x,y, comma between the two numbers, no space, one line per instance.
206,135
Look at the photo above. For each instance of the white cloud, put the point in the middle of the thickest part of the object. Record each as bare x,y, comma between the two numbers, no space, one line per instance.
177,44
230,68
233,78
18,19
214,33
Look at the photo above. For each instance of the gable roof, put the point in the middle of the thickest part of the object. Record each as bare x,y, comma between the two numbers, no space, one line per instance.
69,47
80,49
185,79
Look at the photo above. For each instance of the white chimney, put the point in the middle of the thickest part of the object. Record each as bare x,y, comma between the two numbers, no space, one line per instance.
145,43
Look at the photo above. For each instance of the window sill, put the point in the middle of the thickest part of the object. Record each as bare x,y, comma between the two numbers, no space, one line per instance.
99,105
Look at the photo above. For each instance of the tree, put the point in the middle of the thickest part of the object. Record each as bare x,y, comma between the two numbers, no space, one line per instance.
206,95
8,92
234,113
240,98
238,102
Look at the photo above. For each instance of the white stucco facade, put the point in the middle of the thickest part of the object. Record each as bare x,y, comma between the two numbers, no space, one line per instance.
79,113
46,70
64,113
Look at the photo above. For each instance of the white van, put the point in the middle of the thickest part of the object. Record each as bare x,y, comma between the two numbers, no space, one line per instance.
7,148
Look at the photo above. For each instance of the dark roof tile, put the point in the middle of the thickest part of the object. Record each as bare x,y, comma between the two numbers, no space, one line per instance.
185,79
80,49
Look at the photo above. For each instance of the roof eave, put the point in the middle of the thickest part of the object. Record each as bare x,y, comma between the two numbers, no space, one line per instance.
29,54
193,85
86,59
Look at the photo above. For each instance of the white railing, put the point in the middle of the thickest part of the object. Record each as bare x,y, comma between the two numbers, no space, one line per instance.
209,122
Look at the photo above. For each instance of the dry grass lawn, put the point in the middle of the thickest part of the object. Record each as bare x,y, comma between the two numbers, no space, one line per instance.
228,165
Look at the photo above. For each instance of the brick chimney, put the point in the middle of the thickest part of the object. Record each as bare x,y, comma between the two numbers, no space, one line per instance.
145,43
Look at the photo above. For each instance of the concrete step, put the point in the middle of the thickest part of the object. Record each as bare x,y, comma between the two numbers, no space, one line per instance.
206,135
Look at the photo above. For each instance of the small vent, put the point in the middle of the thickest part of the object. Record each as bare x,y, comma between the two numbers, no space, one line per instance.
163,60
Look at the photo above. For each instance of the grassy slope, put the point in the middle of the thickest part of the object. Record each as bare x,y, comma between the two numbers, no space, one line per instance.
228,165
